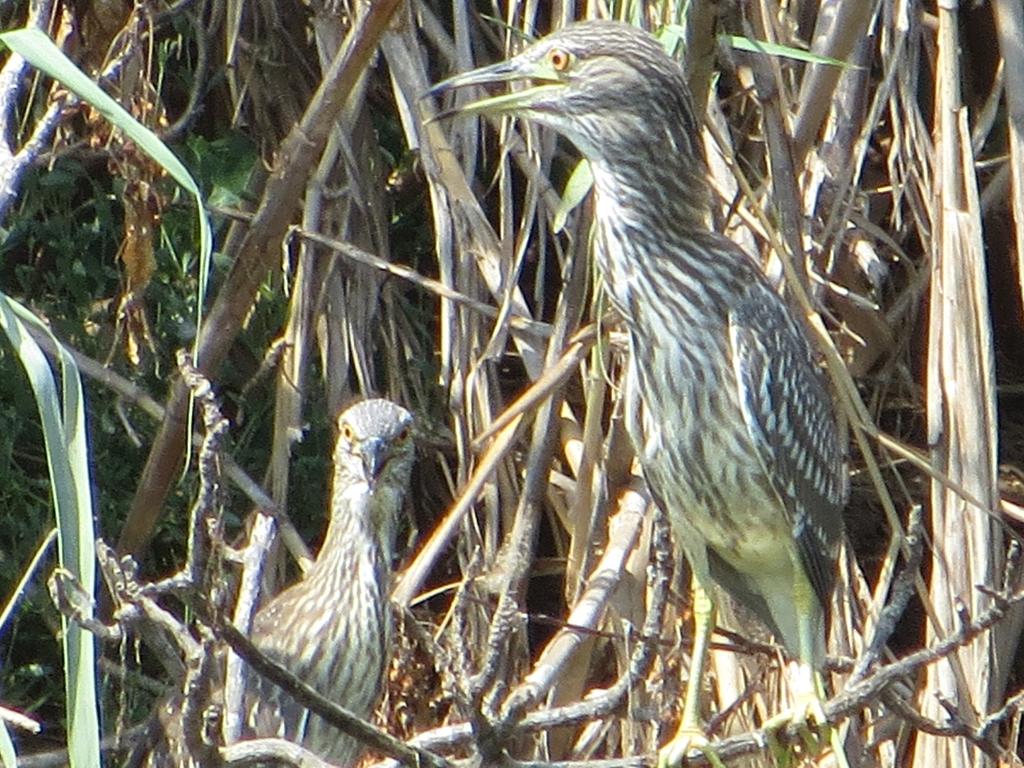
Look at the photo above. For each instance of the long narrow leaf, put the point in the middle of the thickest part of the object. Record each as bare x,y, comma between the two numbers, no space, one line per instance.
8,758
62,416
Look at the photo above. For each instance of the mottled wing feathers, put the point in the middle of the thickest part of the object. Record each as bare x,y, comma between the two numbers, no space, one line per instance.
788,414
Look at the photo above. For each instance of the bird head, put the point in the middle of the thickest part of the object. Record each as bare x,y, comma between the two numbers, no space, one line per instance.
602,84
375,448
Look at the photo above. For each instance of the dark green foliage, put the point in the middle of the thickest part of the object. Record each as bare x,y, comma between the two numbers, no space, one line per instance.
60,256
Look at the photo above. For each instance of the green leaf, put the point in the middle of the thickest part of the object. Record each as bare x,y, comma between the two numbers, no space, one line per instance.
672,35
62,415
8,757
672,38
579,184
785,51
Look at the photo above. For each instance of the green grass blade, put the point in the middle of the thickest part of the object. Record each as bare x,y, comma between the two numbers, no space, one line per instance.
8,757
62,416
672,35
783,51
579,184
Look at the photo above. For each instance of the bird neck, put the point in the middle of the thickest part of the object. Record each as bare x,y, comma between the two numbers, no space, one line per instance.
653,190
657,169
647,219
357,547
665,271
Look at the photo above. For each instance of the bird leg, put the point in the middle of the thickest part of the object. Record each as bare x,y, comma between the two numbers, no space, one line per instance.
808,689
690,736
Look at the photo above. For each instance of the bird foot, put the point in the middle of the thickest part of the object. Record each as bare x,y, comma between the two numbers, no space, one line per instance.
808,716
686,742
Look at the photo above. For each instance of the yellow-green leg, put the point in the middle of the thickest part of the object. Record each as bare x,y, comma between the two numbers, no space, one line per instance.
690,736
807,687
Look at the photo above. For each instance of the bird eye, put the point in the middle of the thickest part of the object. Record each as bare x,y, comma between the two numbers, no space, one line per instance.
559,59
347,433
404,434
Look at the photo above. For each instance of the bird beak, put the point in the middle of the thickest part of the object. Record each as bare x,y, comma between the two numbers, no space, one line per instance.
375,455
543,77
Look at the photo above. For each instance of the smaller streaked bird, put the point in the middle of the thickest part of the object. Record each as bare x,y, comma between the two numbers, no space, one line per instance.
333,628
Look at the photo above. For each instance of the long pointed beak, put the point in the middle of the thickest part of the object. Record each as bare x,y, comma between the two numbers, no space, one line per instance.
504,72
375,455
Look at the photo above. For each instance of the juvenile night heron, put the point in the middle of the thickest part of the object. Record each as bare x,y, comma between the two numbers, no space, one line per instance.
333,628
729,413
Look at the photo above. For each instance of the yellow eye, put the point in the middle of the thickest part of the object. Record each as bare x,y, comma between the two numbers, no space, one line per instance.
559,59
347,433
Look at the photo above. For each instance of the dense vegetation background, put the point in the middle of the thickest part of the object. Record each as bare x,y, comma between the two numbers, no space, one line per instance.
360,249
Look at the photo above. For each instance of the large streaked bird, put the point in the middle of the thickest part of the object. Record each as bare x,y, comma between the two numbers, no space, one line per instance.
729,413
333,628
